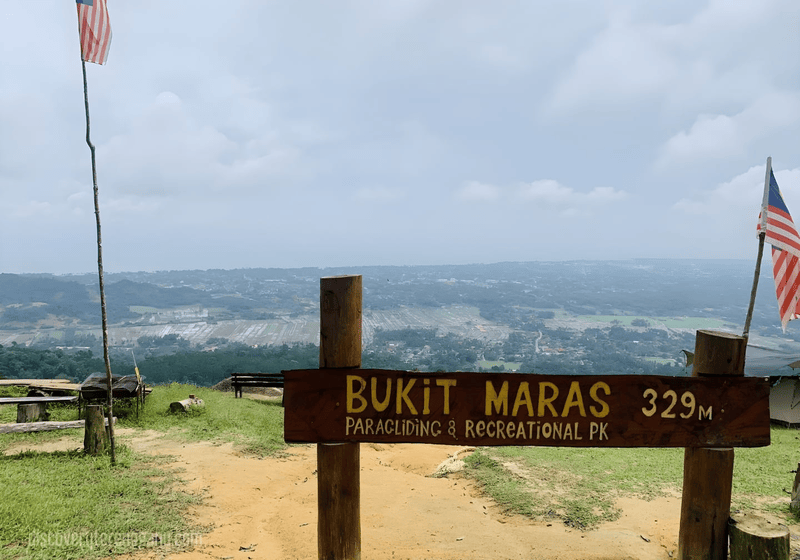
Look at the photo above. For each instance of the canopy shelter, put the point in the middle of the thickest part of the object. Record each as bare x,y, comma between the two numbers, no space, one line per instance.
95,388
783,369
761,361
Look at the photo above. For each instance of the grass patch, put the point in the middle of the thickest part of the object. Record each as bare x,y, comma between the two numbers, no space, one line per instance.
580,486
761,474
256,426
70,505
12,391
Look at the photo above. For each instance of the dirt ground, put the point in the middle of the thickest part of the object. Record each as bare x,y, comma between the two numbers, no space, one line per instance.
266,509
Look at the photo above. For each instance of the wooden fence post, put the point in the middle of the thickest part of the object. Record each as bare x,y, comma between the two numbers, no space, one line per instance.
338,465
95,435
708,473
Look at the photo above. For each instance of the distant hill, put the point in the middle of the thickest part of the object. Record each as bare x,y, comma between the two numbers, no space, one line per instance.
510,293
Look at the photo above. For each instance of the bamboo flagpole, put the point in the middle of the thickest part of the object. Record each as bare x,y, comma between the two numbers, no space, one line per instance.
777,228
762,233
94,31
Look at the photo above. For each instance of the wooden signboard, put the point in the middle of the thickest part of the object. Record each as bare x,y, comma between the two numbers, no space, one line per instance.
362,405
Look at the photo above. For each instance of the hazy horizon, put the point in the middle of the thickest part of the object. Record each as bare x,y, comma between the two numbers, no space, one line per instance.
766,268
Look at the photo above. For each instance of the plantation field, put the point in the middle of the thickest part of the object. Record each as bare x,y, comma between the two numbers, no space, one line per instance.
142,309
509,366
463,321
657,360
688,323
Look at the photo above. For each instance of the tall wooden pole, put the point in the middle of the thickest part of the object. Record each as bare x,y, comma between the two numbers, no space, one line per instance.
708,473
106,359
338,465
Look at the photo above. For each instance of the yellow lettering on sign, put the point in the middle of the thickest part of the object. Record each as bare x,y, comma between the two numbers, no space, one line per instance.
402,396
500,401
603,411
545,401
355,395
523,397
446,383
574,398
380,406
501,429
598,430
469,433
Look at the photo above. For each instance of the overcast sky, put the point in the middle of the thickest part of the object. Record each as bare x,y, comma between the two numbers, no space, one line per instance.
251,133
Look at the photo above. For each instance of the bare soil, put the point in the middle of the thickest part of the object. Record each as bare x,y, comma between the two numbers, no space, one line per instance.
265,508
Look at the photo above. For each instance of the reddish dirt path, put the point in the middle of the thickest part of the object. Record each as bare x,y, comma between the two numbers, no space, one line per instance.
266,509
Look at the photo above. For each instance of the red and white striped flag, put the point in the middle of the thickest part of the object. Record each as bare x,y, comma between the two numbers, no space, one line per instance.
782,235
94,29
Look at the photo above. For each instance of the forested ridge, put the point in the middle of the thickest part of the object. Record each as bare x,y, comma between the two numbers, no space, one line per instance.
196,367
405,349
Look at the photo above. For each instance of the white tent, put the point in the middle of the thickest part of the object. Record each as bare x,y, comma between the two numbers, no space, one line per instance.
784,401
781,368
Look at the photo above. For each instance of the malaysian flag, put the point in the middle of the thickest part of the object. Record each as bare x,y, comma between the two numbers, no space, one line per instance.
94,29
782,235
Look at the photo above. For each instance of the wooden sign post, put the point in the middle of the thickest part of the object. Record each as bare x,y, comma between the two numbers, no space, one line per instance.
338,465
708,473
340,405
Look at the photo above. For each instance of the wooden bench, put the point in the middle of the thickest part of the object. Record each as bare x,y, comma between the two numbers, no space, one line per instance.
24,415
239,380
52,386
27,427
36,400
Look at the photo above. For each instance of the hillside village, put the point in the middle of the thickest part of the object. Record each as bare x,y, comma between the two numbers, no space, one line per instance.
550,317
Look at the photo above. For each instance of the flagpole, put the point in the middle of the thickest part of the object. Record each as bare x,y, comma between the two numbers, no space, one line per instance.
106,358
761,235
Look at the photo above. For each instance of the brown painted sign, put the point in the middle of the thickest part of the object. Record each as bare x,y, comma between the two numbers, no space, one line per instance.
362,405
